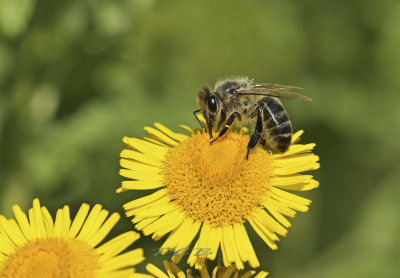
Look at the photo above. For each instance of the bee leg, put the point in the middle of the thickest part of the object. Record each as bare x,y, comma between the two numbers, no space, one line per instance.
257,132
222,120
227,125
198,120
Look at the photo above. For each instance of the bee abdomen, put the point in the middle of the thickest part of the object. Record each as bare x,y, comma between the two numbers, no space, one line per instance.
282,128
283,141
277,126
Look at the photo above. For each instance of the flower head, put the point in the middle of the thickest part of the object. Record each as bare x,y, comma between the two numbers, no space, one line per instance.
213,190
218,272
39,247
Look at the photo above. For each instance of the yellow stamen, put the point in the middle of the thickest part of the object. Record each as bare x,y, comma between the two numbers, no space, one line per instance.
52,257
215,183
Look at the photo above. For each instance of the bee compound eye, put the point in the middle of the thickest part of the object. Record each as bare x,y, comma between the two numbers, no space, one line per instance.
212,103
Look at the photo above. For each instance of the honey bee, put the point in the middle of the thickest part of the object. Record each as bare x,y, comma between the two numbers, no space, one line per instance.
248,102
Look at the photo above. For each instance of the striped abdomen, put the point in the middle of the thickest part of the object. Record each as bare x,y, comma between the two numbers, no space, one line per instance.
277,127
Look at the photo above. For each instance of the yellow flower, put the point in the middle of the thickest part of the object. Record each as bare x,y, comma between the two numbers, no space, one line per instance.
41,248
213,189
218,272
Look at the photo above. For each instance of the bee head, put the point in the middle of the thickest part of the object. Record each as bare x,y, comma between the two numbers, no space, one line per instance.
210,106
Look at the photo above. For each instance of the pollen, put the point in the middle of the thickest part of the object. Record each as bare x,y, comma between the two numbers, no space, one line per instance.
215,183
52,257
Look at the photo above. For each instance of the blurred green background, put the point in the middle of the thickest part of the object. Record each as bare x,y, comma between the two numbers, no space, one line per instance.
76,76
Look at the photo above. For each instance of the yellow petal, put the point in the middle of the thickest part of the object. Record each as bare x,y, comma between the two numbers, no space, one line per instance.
183,235
291,200
295,169
145,200
141,185
66,222
202,248
244,245
264,233
134,155
261,274
136,175
3,257
134,165
154,141
79,219
189,232
143,222
161,136
122,261
152,269
6,245
230,246
57,223
225,259
278,216
155,210
297,149
22,222
39,224
152,150
213,241
94,228
114,246
104,230
90,221
268,222
279,207
185,127
165,223
11,229
48,222
300,186
142,212
176,136
296,136
289,180
248,274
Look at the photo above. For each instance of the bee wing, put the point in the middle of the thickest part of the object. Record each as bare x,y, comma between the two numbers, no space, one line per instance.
275,86
279,92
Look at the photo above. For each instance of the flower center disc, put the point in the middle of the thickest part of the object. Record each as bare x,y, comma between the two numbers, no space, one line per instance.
215,183
52,257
